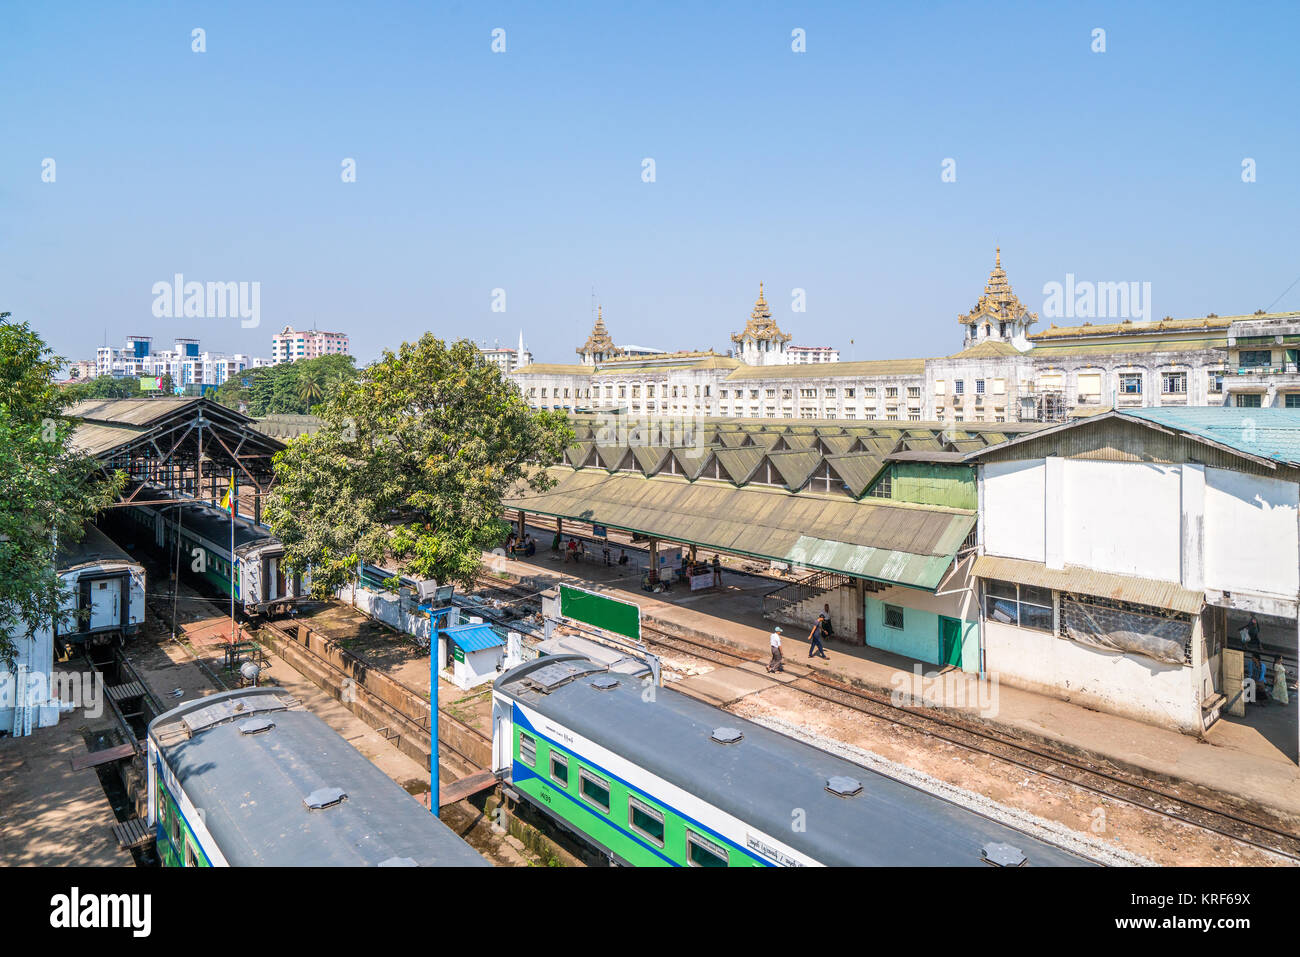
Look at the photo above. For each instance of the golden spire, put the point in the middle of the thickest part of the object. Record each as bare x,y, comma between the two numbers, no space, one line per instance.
761,326
999,303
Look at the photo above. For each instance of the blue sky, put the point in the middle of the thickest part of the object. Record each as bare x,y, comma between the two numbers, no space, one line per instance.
522,170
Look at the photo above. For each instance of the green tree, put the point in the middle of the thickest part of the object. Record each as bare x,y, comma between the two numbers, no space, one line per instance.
410,467
279,389
49,491
102,387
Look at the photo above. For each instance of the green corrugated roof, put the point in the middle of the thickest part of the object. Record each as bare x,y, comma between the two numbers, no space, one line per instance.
902,544
857,469
839,444
740,463
795,466
650,457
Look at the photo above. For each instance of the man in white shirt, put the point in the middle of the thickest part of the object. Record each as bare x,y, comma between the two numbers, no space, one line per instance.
776,664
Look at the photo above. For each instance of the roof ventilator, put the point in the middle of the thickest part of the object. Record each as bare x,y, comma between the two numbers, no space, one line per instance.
322,798
256,726
727,735
605,683
1003,855
843,786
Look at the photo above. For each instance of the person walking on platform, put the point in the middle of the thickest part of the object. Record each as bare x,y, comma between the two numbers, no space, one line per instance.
717,572
815,639
827,630
776,663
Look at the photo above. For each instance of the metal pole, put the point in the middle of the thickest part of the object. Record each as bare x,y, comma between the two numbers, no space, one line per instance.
433,719
233,559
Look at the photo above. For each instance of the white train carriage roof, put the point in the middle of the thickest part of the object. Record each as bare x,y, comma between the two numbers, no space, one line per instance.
95,548
209,522
854,816
278,786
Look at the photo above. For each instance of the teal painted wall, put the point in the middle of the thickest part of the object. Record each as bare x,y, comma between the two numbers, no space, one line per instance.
919,637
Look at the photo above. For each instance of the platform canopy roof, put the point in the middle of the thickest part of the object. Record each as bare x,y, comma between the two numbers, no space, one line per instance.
888,541
145,436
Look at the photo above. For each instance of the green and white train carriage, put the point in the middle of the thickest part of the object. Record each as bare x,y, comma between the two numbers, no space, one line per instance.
252,778
651,776
259,584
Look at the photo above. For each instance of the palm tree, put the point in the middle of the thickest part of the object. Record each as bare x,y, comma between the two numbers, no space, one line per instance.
311,387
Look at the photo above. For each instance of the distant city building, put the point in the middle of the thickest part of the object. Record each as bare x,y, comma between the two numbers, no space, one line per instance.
81,369
292,345
800,355
1003,373
508,360
185,363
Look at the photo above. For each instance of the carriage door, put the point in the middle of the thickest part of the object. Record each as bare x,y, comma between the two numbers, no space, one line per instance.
104,608
274,580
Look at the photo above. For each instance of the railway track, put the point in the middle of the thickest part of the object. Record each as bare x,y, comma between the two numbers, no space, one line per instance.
1114,784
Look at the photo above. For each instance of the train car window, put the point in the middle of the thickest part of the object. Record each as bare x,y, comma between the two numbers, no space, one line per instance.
528,749
559,768
190,860
595,790
701,852
645,820
176,830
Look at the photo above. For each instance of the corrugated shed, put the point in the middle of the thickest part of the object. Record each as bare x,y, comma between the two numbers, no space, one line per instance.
797,442
903,544
130,411
94,439
740,463
733,440
857,470
839,444
649,458
577,454
612,456
691,460
795,467
1087,581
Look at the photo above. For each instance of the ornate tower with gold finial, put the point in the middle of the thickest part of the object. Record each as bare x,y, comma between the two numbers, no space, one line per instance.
998,315
599,346
761,342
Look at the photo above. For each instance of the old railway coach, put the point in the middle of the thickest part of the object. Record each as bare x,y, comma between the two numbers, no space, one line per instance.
260,585
665,779
105,589
250,778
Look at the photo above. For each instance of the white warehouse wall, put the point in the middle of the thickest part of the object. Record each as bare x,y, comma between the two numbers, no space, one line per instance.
1014,507
1129,685
1250,534
1123,517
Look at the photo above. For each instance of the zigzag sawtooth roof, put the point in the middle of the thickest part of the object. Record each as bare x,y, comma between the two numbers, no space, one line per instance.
874,538
740,463
795,467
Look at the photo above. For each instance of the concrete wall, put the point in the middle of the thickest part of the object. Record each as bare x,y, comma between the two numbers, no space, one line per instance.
1122,517
1129,685
920,637
1013,509
1250,534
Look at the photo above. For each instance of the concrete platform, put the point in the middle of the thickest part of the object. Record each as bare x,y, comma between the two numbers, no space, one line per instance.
1235,758
50,814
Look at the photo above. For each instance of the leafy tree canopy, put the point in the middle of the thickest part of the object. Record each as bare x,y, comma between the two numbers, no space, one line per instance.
102,387
291,388
49,491
410,467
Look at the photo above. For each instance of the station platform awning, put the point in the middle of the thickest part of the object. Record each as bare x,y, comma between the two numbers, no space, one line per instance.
883,540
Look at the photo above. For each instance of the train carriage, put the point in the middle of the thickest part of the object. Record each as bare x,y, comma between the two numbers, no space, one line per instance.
105,591
651,776
260,584
252,778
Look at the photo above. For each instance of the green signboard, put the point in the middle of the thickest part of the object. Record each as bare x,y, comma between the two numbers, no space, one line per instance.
457,652
621,617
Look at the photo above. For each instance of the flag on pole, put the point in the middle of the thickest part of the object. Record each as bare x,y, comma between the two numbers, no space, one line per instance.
229,496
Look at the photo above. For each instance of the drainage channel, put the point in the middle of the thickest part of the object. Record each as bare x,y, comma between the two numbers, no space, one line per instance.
118,754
